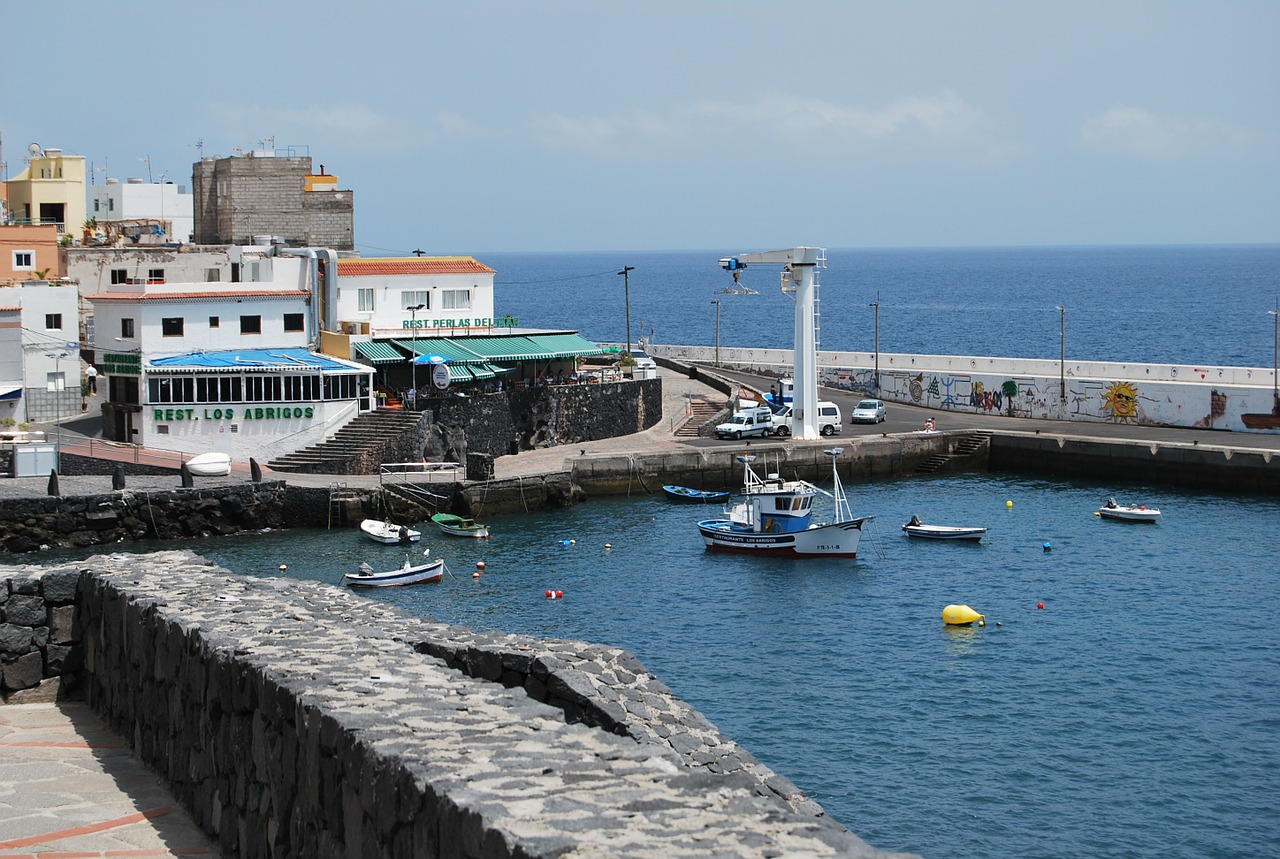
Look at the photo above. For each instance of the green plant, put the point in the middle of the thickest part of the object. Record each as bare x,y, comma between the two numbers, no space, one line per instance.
7,422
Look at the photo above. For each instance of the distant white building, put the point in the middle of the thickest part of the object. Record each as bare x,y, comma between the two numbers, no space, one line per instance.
40,374
225,366
136,212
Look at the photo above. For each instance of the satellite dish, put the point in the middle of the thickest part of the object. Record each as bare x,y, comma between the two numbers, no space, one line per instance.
34,150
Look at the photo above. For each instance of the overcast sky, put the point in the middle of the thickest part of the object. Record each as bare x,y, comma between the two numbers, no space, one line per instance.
466,127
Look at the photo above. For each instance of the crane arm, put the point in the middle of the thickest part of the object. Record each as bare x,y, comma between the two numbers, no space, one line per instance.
790,256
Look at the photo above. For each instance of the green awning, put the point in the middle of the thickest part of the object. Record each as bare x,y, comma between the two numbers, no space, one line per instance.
566,345
451,349
379,352
502,349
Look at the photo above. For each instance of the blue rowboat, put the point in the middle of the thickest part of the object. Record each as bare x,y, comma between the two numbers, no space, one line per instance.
684,493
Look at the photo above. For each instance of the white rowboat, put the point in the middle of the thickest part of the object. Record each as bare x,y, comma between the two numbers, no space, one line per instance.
381,531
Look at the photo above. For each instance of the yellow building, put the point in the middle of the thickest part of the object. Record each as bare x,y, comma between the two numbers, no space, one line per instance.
50,191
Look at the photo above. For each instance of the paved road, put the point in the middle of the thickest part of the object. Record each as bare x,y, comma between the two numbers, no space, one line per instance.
69,786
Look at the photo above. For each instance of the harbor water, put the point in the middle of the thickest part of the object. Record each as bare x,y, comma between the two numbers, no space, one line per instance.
1133,715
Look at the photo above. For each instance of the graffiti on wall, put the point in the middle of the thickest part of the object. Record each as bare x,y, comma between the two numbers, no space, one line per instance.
1120,402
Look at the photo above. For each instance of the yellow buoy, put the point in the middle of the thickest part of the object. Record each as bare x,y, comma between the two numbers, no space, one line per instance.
1009,505
961,615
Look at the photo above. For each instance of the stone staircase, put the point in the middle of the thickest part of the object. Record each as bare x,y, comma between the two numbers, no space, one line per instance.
366,431
965,447
701,413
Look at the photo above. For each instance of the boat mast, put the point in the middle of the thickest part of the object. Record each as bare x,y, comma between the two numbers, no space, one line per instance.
843,513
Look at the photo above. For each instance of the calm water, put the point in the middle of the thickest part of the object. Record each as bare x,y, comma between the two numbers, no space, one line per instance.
1135,715
1173,305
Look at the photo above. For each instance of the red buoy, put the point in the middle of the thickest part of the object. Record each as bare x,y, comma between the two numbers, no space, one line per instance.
1039,605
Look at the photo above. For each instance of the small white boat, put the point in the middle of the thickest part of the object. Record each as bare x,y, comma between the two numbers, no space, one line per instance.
385,531
916,528
209,465
426,573
1129,513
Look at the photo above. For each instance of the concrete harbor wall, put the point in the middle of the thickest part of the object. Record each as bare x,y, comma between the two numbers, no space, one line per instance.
292,718
1239,399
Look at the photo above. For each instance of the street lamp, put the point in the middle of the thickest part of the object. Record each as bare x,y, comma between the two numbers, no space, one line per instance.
413,323
876,305
1275,366
1062,355
626,285
716,302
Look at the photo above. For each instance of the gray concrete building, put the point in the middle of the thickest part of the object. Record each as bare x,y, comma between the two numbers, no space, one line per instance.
266,193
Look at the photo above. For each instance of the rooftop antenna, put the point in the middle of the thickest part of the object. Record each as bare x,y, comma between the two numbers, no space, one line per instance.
199,148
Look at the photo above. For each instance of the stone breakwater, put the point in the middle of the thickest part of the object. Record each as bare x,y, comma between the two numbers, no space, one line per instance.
297,719
105,518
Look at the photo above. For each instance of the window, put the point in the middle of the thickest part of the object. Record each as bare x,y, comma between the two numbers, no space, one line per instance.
126,328
293,322
53,321
412,299
365,297
250,324
214,322
119,275
24,260
155,275
171,327
212,275
455,299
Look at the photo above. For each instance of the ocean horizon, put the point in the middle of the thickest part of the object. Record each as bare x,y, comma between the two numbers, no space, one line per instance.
1165,304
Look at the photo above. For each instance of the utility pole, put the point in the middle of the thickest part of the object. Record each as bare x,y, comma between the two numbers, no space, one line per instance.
876,305
716,302
626,285
1062,355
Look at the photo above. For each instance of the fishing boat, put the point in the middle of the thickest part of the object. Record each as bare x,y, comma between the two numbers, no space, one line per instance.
388,532
459,526
428,572
1129,513
209,465
686,494
773,519
916,528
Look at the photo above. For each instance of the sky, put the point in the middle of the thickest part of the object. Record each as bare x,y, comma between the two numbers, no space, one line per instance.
513,125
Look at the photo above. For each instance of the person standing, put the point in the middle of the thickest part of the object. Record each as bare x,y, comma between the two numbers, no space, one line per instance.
92,375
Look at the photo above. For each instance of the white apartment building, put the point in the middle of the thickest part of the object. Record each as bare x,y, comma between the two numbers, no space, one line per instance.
223,366
135,212
40,374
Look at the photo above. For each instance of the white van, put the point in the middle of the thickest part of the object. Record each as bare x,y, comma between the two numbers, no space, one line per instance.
829,421
747,423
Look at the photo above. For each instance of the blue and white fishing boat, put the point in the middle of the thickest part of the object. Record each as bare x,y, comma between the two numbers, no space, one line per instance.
774,519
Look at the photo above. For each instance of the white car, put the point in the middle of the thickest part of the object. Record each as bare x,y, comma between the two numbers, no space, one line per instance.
643,360
868,412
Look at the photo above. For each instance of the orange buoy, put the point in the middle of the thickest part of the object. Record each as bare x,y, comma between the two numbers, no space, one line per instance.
479,565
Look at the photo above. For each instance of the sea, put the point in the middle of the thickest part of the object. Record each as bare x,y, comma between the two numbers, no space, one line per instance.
1122,699
1198,305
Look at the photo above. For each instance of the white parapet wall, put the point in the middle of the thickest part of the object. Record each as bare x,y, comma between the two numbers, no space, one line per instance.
1240,399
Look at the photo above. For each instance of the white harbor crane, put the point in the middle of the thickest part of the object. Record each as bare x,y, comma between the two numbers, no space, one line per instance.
800,277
